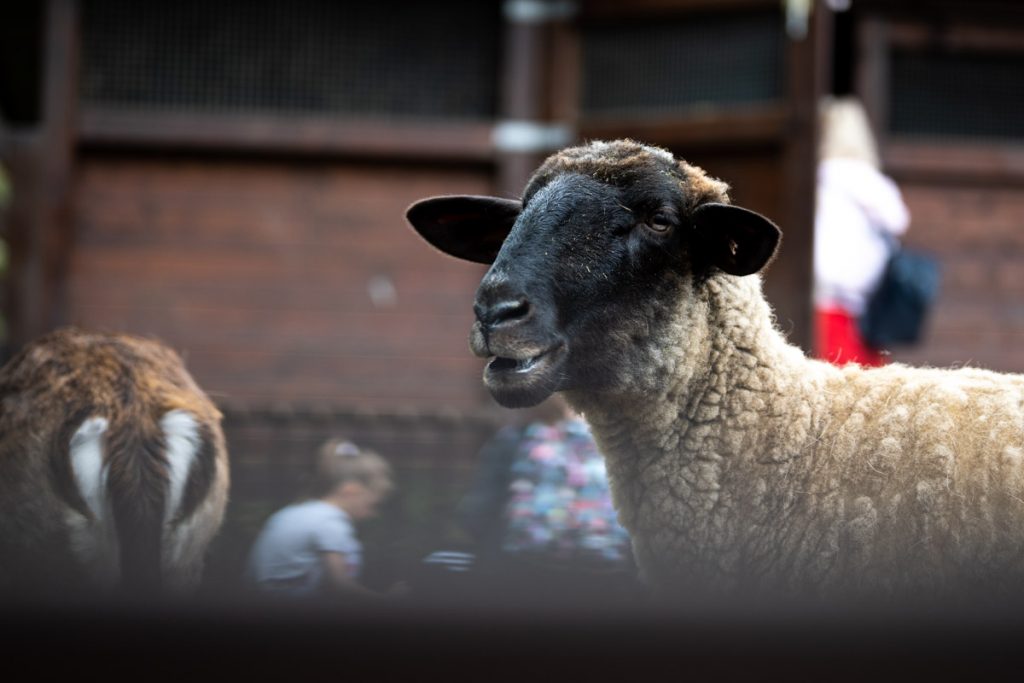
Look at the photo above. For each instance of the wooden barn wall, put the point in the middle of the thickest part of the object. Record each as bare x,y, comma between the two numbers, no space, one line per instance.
276,260
272,279
976,233
743,108
279,282
960,167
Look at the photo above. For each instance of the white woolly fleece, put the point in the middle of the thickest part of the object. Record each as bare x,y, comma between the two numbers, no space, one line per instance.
738,463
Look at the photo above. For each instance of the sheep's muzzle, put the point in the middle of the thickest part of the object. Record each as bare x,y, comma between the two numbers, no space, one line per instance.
523,371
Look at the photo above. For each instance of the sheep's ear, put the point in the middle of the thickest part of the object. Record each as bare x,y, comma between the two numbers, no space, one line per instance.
737,240
468,227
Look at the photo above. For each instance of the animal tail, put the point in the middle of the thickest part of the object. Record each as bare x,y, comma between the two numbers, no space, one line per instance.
135,480
112,471
162,468
138,479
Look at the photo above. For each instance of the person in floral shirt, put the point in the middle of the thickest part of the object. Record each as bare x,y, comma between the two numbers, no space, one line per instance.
542,495
559,505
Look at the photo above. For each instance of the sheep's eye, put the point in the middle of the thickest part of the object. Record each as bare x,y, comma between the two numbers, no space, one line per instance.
660,223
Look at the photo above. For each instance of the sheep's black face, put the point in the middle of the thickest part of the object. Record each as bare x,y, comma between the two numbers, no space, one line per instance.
567,297
585,271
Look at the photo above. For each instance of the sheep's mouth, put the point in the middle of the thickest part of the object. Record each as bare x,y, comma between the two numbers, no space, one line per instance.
525,381
500,364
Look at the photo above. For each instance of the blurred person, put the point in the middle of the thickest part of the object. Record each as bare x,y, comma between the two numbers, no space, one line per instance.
540,506
310,548
859,214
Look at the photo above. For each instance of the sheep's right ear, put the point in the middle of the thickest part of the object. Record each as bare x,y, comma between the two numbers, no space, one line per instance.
468,227
736,240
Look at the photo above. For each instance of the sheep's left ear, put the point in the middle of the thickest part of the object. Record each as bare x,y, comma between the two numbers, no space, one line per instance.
468,227
737,240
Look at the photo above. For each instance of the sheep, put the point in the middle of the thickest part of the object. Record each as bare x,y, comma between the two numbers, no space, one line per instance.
113,468
626,280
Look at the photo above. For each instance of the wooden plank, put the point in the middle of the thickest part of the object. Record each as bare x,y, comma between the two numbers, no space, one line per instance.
966,220
264,377
216,267
465,141
202,225
959,162
310,369
615,9
260,272
248,230
345,333
256,201
977,282
946,13
958,36
710,127
273,297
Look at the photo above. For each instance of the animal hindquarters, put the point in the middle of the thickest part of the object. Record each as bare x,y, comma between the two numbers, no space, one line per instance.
113,468
146,500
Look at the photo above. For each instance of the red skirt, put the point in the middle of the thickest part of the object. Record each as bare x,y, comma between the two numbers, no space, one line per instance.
838,340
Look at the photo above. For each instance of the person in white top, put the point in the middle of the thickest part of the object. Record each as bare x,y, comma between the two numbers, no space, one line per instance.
310,548
857,208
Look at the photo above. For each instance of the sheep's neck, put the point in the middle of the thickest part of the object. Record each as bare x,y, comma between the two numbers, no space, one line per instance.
712,437
732,366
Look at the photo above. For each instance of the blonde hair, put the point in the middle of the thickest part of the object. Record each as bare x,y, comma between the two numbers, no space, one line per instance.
846,132
340,460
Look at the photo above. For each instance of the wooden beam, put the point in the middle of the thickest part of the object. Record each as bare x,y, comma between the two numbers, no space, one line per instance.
962,36
992,12
458,141
60,108
524,93
953,161
616,9
765,124
40,162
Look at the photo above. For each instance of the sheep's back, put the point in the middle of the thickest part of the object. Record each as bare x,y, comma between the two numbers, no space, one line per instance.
930,467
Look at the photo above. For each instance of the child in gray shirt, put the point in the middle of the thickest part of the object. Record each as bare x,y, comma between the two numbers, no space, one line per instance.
310,547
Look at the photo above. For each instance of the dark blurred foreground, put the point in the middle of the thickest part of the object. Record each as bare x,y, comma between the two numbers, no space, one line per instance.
600,629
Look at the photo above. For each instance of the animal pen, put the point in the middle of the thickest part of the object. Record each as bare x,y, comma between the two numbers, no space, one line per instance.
231,178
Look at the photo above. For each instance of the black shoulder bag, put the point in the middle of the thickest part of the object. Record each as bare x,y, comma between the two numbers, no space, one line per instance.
898,307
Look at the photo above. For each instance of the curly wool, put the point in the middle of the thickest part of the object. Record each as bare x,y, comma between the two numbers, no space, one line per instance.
737,462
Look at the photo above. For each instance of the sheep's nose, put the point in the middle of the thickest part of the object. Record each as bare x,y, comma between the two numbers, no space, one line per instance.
503,311
500,301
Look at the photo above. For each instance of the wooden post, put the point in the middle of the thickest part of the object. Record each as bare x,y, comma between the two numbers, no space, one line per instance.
525,135
39,159
793,273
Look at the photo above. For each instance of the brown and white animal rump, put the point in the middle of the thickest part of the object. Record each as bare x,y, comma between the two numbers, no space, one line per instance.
113,468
